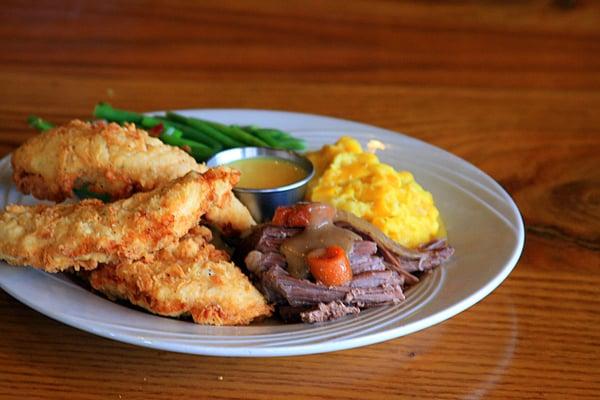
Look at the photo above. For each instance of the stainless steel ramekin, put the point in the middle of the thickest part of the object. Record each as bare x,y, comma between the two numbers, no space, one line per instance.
263,202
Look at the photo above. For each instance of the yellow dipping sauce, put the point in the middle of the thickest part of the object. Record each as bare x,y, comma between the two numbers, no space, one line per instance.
267,172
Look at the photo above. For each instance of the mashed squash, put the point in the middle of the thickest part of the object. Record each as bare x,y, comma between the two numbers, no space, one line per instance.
323,158
358,182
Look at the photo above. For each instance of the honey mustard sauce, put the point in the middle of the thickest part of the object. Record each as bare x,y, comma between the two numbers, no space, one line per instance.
267,172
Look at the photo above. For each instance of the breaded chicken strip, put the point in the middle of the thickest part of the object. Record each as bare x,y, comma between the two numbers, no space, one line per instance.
109,159
112,159
82,235
190,277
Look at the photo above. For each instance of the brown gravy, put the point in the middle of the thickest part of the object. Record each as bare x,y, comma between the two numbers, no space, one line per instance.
324,235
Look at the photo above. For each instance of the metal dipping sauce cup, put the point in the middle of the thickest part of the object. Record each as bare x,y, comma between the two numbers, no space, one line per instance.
263,202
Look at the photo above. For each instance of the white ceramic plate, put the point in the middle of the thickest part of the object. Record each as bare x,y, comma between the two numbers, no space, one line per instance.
483,224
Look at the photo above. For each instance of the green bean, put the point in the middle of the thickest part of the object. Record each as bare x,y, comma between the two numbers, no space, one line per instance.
151,123
293,144
192,133
203,137
226,141
268,139
237,134
107,112
174,137
275,133
199,151
245,136
276,138
84,192
170,134
39,124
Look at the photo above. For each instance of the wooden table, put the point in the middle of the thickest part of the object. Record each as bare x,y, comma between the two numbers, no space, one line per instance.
512,87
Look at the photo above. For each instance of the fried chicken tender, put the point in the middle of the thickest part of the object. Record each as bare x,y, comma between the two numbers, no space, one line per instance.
190,277
112,159
82,235
109,159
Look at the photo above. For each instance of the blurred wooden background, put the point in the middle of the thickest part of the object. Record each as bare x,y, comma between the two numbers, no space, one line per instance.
511,86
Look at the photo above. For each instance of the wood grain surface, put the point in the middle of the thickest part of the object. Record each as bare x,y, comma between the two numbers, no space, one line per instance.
513,87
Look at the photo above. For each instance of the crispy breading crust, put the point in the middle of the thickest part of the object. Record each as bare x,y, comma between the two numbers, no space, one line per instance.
190,277
109,159
231,219
112,159
54,238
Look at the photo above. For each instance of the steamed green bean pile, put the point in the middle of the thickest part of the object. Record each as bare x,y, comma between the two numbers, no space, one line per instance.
199,137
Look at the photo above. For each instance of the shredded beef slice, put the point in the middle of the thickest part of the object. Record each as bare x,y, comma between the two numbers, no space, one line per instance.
379,275
326,312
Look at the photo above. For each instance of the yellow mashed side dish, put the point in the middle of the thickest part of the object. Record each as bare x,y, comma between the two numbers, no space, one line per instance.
323,158
355,181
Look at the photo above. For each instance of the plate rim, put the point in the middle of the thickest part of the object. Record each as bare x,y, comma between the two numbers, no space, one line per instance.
327,346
